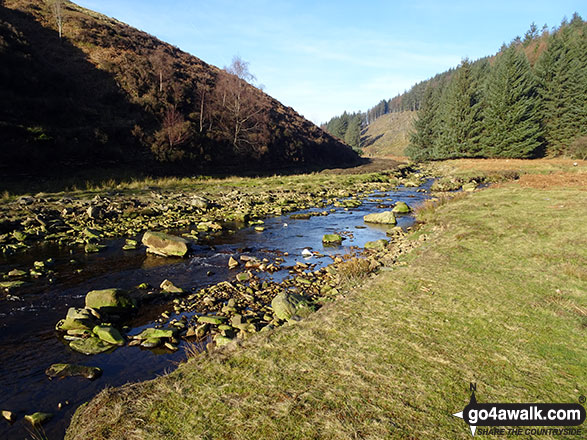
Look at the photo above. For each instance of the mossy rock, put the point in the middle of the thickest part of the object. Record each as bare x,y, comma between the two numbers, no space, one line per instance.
401,208
155,333
216,320
377,244
286,305
90,346
38,418
382,218
69,370
332,239
108,334
109,300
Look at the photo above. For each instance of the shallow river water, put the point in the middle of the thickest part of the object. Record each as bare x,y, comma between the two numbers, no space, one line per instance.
29,343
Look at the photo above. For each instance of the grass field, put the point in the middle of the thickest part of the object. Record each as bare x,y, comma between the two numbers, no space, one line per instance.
388,135
495,296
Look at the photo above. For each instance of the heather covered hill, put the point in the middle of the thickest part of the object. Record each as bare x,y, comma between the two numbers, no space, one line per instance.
81,89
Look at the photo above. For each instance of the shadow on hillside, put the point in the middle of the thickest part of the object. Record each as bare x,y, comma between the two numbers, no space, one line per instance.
367,141
75,114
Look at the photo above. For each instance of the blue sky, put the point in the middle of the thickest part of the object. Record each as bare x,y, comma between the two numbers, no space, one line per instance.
325,57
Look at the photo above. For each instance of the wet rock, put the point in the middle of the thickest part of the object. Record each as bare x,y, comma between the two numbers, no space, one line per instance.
208,226
19,236
92,233
306,253
332,239
109,300
259,228
69,370
108,334
401,208
383,218
232,263
215,320
130,245
92,248
154,333
286,305
169,287
17,273
25,200
243,276
301,216
77,319
38,418
151,343
165,245
90,346
10,285
9,416
377,244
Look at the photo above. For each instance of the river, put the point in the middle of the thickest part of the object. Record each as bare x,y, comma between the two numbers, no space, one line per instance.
29,343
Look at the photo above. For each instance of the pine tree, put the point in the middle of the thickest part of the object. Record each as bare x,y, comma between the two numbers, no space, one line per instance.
352,136
512,117
460,116
426,126
562,74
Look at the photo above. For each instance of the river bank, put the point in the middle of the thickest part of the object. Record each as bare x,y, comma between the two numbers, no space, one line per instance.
274,254
494,295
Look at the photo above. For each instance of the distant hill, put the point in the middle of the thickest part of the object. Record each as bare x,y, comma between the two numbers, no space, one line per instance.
528,100
106,94
388,135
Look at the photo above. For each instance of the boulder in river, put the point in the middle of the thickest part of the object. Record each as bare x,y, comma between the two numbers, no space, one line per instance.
108,334
169,287
232,263
401,208
90,346
332,239
109,300
383,218
69,370
77,319
9,416
38,418
165,245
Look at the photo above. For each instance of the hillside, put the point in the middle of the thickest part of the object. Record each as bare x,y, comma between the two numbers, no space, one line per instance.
526,101
106,94
388,135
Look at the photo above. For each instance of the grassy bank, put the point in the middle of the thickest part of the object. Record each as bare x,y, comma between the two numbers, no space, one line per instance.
496,296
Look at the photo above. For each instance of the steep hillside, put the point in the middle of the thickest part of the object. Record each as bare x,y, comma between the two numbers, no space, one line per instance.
104,93
388,135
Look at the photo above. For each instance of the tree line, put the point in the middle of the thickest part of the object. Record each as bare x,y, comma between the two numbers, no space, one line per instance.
530,100
347,127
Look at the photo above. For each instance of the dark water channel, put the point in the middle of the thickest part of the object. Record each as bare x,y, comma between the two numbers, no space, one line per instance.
29,344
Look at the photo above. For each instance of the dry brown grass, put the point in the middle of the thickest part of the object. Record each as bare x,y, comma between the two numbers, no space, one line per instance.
568,180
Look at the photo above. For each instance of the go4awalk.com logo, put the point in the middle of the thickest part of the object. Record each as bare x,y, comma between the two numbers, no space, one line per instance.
523,418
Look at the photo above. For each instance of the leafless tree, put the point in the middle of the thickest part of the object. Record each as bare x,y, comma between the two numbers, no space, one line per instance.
174,132
243,115
162,64
58,13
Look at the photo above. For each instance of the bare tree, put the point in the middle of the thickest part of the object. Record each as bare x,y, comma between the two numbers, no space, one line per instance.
58,14
174,132
243,115
161,62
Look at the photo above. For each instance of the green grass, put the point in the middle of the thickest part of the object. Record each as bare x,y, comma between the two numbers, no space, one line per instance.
496,296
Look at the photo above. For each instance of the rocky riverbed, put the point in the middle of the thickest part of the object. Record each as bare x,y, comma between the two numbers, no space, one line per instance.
248,267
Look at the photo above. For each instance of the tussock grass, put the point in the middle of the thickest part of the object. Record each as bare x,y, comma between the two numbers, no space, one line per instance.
496,297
